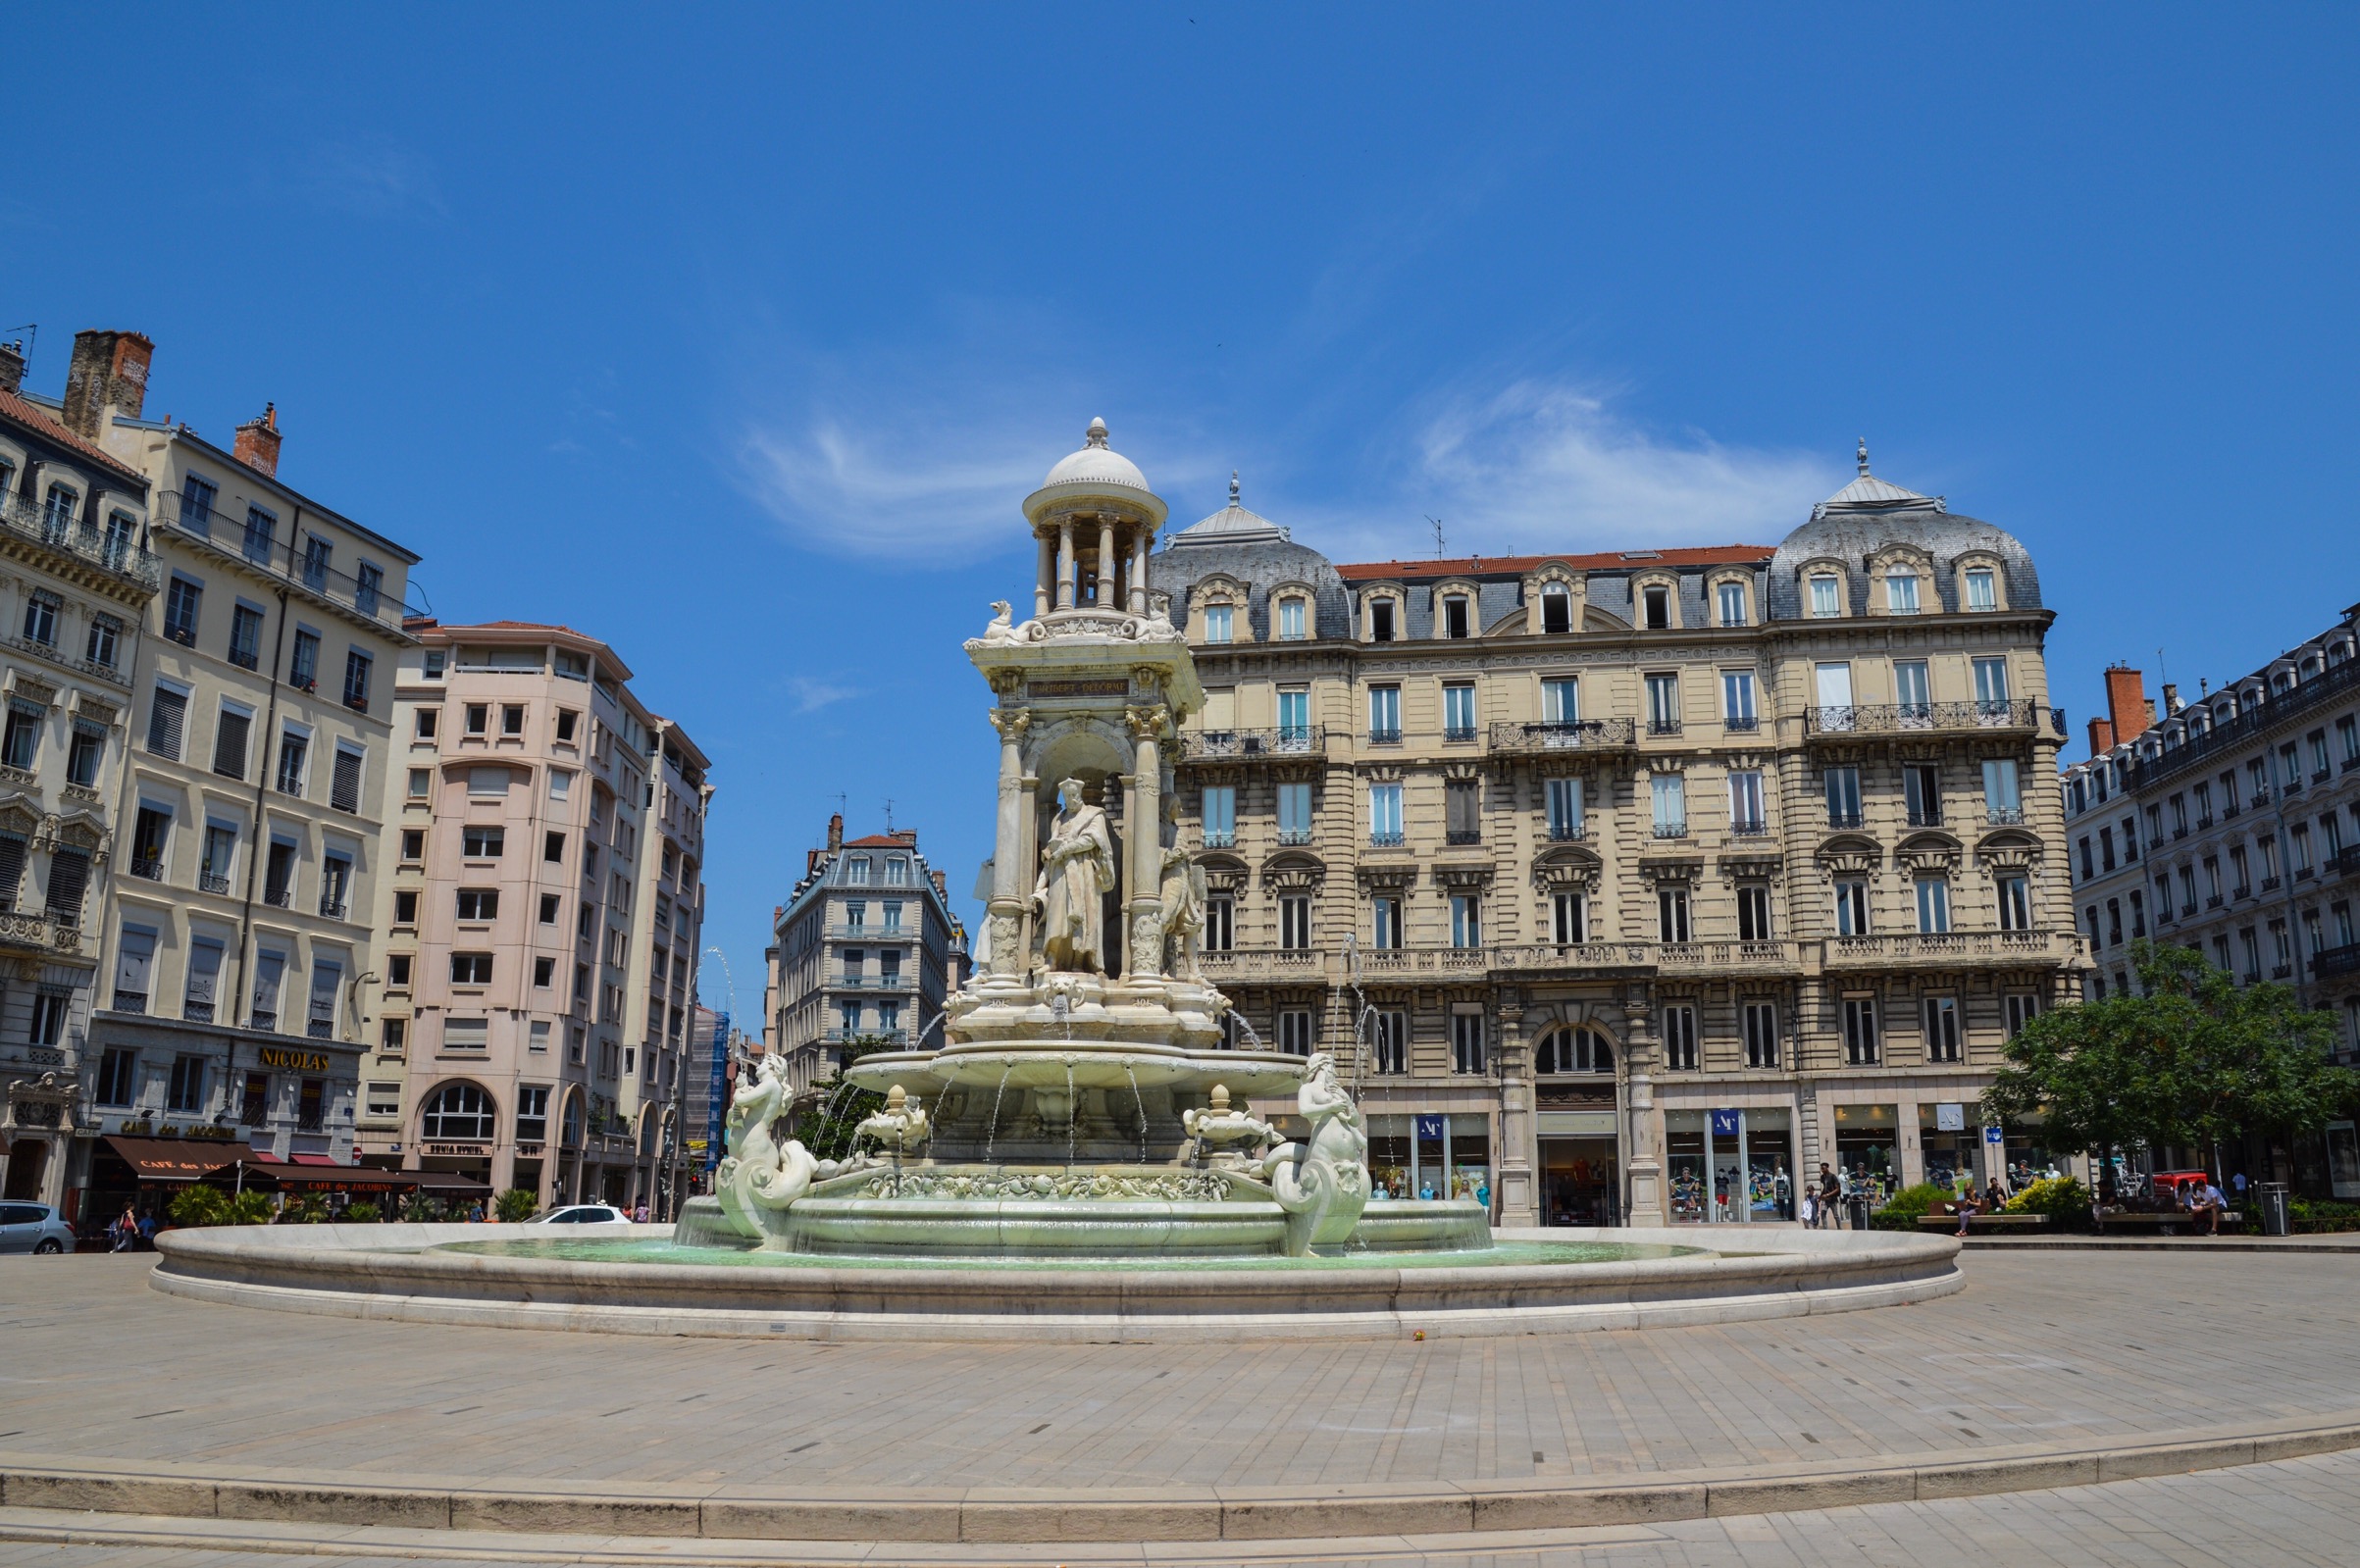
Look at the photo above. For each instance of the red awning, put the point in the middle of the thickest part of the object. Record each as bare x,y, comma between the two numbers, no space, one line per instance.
176,1159
315,1160
263,1156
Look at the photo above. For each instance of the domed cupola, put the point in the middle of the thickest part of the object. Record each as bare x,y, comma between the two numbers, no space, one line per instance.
1854,534
1094,522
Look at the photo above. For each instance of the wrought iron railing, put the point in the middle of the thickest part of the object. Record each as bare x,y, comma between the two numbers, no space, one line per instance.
110,550
365,596
1232,745
1901,716
1562,734
2142,771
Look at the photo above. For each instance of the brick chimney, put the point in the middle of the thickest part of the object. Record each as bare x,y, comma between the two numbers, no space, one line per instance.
2126,703
2101,736
258,442
941,887
2172,703
835,831
12,366
109,372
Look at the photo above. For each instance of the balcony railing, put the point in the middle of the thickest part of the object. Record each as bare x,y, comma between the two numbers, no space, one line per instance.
209,882
1741,722
1954,950
895,982
320,1028
2334,961
2270,885
278,897
1843,819
1913,717
1749,828
1220,839
1671,829
1927,817
1387,841
1563,734
1462,836
196,1012
1458,734
2004,816
1566,833
1236,745
1663,727
872,933
1289,838
2344,862
364,596
1385,737
131,1002
846,1036
1949,947
149,866
332,907
117,552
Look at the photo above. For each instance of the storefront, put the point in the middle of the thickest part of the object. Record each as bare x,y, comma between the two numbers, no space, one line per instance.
1580,1168
1867,1150
145,1174
1432,1155
1730,1164
1950,1143
2343,1160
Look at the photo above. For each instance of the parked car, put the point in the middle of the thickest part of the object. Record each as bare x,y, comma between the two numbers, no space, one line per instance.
582,1214
34,1228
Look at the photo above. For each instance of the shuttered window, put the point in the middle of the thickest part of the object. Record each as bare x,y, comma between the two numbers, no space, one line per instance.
167,716
229,744
346,792
12,869
68,874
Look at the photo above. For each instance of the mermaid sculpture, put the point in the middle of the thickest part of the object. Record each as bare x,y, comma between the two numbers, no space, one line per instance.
1322,1184
759,1173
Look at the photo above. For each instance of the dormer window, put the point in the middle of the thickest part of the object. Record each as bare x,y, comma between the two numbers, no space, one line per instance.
1731,602
1983,589
1380,620
1217,625
1655,607
1826,595
1455,615
1291,621
1901,591
1557,609
857,869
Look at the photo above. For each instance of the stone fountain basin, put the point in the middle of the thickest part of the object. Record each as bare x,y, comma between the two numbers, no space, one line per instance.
1046,1064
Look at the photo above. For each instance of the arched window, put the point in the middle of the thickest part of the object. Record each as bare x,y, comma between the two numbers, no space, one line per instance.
1572,1051
571,1124
1557,608
458,1111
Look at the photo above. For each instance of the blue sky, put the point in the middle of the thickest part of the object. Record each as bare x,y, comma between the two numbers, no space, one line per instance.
734,337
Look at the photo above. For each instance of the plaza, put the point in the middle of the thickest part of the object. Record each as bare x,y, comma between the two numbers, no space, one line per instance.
2026,1396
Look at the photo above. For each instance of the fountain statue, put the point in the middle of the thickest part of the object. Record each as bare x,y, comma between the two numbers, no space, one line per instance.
1080,1099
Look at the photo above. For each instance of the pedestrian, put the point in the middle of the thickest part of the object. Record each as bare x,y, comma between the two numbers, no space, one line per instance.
125,1231
147,1230
2236,1184
1831,1190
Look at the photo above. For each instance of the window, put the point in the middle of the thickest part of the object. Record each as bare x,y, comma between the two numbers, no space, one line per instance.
1851,907
245,637
479,903
544,970
1384,814
1737,700
458,1111
471,969
1668,792
196,505
220,853
1912,695
512,719
2106,848
1759,1022
1664,704
303,666
1563,799
1294,813
1220,816
1731,597
561,783
1561,701
293,749
1655,607
405,907
397,970
185,1090
1220,923
1459,711
336,884
1941,1029
1564,1051
1389,1043
261,529
182,601
1859,1030
548,909
1380,620
1922,793
22,739
106,636
1754,912
1568,919
1384,715
203,982
482,843
1556,610
118,1075
533,1111
1824,599
1295,1032
1672,914
315,554
1933,905
12,869
1467,1043
1467,921
1217,623
1455,615
1462,812
1901,589
1385,921
1983,591
344,788
40,617
230,742
1295,922
1745,803
368,581
1680,1039
1991,687
356,680
68,874
538,1038
2003,801
2014,901
420,783
567,718
1290,620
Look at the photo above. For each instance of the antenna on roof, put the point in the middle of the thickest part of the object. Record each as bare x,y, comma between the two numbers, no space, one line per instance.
888,814
1437,522
1864,457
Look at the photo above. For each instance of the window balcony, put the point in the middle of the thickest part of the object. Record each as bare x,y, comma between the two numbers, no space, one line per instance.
2204,821
1913,718
2188,911
2281,970
1386,841
2004,816
357,702
2321,775
1671,829
2304,874
1464,835
1663,727
1384,737
2241,892
1926,818
1749,828
2270,885
115,552
1741,722
184,635
332,907
2180,833
1567,832
207,882
278,897
151,868
131,1002
2345,862
264,1020
255,1113
2333,962
1225,839
245,658
2230,809
1564,734
320,1028
1236,746
1458,733
1843,819
196,1012
2213,902
1293,836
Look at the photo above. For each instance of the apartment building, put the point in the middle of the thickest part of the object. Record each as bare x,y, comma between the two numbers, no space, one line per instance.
2232,825
541,920
864,949
76,577
1633,885
236,930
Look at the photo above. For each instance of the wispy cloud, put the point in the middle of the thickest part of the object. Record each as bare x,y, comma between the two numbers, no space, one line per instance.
813,693
378,179
895,487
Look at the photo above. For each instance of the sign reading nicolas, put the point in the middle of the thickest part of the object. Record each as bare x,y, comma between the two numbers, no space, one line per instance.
293,1060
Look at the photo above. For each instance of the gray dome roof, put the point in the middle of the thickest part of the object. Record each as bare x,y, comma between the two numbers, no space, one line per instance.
1231,524
1867,514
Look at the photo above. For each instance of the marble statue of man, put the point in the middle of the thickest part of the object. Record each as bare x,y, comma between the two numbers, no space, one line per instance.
1180,900
1077,872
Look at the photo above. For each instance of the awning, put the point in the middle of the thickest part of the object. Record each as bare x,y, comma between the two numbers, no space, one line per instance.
448,1184
312,1159
176,1159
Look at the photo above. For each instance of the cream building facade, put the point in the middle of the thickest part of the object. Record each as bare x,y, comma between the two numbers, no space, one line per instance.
1636,885
541,921
76,579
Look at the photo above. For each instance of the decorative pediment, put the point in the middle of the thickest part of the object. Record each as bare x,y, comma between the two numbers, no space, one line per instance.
1671,868
1849,855
81,830
1463,770
1397,876
2008,849
1467,877
1568,869
85,706
1751,866
1224,874
19,813
1383,773
1928,854
1293,871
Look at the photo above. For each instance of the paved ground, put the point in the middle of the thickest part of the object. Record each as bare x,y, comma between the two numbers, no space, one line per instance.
2038,1349
2303,1512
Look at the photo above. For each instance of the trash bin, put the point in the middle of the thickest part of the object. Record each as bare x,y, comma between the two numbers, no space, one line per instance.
1858,1204
2271,1196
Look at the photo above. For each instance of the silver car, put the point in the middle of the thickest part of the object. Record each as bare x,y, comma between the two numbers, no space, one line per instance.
582,1214
34,1228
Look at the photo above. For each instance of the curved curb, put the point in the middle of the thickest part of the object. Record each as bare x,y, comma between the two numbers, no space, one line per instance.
322,1270
1158,1514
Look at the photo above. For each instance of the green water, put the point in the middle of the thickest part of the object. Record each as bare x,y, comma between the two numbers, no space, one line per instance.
1505,1254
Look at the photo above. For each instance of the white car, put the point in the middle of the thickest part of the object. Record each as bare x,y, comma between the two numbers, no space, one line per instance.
582,1214
34,1228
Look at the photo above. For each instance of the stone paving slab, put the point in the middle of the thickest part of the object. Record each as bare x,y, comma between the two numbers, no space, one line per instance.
2037,1350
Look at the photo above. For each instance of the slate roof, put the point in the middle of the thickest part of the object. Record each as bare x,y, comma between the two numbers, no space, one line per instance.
41,419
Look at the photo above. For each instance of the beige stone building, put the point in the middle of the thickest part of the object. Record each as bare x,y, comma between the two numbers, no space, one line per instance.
76,577
236,932
541,920
1635,885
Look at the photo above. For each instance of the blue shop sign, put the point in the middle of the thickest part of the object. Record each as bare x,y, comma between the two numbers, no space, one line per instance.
1429,1126
1993,1135
1725,1123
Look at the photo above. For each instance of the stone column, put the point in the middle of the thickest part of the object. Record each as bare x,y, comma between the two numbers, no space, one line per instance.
1065,564
1044,576
1146,822
1105,563
1519,1197
1028,856
1644,1159
1010,865
1141,537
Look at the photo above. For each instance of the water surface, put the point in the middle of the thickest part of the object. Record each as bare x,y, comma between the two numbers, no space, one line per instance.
1503,1254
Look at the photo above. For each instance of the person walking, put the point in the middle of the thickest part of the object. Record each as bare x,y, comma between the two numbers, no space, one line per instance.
1831,1190
125,1231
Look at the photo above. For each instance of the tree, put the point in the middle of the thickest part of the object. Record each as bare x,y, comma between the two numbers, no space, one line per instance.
2192,1059
516,1205
826,1128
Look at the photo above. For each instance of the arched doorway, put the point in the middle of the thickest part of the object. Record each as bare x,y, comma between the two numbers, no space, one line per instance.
27,1163
1580,1151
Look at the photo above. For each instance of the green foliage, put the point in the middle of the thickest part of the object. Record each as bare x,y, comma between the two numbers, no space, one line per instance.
309,1209
2062,1198
361,1213
1907,1206
2193,1059
826,1129
250,1208
420,1209
2311,1215
515,1205
200,1205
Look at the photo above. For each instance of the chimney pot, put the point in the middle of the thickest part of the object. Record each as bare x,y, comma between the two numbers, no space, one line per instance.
2172,703
2127,707
109,370
835,830
2101,736
258,442
12,366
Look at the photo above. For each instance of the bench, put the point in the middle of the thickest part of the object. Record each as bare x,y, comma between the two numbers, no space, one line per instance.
1982,1224
2168,1223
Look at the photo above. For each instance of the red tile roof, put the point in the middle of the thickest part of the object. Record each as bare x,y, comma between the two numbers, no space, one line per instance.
905,839
16,408
1494,566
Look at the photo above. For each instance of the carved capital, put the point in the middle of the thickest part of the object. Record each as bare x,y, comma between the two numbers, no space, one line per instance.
1146,723
1012,723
